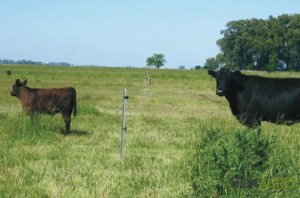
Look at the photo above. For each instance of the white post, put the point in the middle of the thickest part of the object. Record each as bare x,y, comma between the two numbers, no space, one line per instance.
125,97
147,80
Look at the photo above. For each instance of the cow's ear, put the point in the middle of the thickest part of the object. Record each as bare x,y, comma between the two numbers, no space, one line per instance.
18,82
236,75
25,82
212,73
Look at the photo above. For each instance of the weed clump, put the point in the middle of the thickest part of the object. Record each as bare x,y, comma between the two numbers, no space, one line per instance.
230,163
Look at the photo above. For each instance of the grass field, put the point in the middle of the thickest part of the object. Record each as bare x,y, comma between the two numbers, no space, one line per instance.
166,123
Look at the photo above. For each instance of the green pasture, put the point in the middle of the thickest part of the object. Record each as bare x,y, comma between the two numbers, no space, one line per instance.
181,139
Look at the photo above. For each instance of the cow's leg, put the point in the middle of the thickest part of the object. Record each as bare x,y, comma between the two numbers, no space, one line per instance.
250,120
67,120
252,123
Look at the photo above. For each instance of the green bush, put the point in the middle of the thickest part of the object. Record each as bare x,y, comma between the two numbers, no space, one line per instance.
230,163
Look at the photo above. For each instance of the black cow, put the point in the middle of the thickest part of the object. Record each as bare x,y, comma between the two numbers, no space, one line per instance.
48,101
253,99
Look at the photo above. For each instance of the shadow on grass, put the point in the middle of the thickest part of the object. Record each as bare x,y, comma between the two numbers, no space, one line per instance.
77,132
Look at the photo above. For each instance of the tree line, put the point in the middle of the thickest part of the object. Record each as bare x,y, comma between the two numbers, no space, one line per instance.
30,62
24,62
257,44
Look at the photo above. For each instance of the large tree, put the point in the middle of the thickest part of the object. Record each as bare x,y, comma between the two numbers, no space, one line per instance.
262,44
157,60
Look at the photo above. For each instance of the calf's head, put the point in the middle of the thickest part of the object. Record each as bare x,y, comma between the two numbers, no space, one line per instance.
226,80
16,87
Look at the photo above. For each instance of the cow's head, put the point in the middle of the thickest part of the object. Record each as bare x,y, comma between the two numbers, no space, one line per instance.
16,87
226,80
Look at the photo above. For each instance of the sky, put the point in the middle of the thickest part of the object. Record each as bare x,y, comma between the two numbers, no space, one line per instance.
124,32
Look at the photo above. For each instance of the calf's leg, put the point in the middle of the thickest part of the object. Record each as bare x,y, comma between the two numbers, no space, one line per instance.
67,120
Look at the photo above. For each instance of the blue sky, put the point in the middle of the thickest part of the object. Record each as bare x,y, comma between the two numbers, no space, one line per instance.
124,33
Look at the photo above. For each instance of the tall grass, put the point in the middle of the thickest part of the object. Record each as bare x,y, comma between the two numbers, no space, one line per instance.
182,140
241,164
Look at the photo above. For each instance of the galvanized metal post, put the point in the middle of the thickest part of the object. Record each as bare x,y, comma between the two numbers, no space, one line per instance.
123,131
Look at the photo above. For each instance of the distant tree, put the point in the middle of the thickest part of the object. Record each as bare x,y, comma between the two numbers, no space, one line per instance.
157,60
197,67
59,64
214,62
181,67
20,62
211,63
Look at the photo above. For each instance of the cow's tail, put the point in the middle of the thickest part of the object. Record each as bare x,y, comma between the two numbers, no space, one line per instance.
75,104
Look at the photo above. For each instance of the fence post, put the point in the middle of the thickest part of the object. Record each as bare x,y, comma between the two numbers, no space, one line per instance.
125,97
147,80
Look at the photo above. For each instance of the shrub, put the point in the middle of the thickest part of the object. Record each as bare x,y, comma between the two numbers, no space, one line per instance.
230,164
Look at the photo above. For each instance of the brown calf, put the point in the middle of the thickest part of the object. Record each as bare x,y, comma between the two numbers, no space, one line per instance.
48,101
